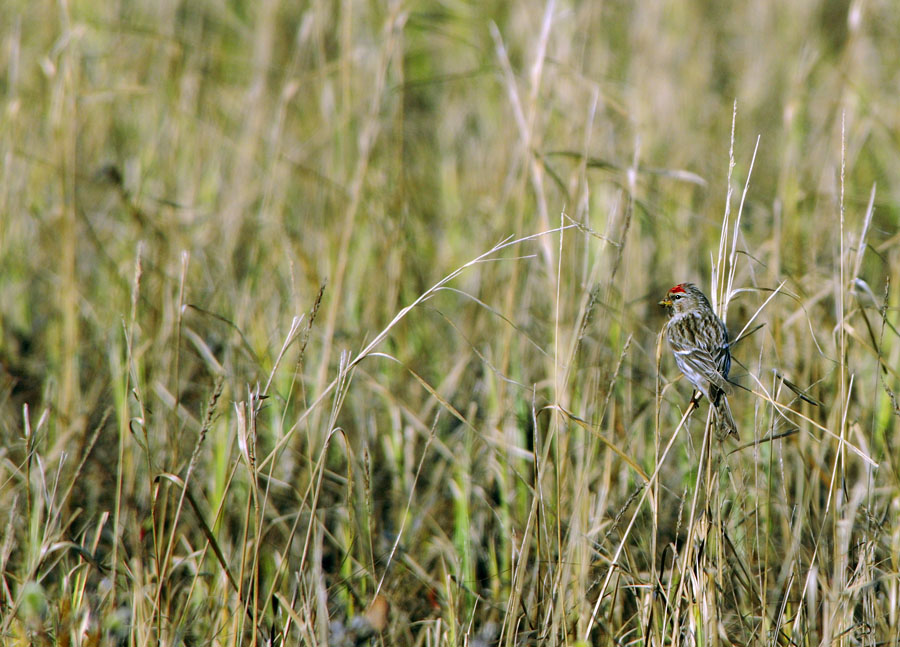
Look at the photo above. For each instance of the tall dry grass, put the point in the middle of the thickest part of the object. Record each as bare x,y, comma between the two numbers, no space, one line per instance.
335,323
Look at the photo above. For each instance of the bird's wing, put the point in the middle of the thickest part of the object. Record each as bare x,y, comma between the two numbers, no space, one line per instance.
701,360
695,352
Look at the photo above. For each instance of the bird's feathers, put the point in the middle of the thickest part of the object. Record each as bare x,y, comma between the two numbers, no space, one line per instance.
699,342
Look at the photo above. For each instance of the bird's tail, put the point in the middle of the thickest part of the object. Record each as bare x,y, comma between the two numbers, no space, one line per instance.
723,419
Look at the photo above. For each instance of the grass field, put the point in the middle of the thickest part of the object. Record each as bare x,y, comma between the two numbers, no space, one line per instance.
336,323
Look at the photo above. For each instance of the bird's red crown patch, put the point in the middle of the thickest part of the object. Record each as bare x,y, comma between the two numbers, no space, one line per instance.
678,288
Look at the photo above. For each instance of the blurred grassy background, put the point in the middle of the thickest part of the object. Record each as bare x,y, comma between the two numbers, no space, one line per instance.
178,181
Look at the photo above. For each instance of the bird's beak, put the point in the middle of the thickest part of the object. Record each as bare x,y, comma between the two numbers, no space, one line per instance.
665,302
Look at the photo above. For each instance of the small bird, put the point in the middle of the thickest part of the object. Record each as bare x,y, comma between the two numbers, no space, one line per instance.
699,342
